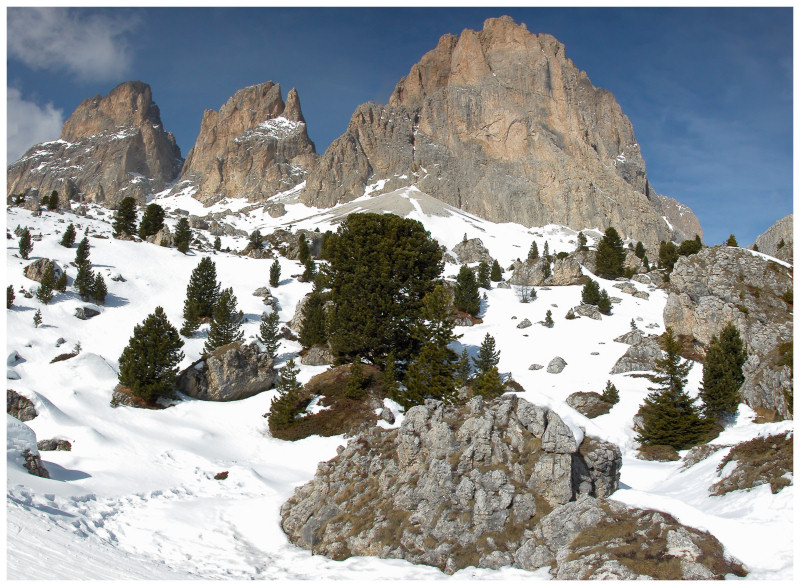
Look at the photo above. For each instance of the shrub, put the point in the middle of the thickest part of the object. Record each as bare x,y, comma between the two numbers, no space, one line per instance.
610,393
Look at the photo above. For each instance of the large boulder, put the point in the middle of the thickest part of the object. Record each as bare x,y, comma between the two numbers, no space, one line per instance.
318,354
21,447
640,356
19,406
232,372
472,251
35,271
728,284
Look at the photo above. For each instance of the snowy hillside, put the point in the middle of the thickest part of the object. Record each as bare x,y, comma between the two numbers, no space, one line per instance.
136,497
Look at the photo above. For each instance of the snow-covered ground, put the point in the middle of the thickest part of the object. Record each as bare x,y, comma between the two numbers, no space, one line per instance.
136,497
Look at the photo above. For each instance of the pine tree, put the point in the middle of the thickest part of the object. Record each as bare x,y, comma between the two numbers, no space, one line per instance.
269,335
99,289
82,254
313,330
548,319
84,280
731,242
148,365
202,294
488,384
546,266
303,252
284,406
45,292
604,303
389,381
25,244
125,217
483,275
355,383
275,273
183,235
590,294
37,318
217,244
722,375
689,247
610,260
546,251
152,220
640,251
582,242
488,355
610,393
254,240
309,272
465,294
225,323
669,416
533,252
497,272
633,325
9,296
667,255
61,282
68,238
52,201
463,369
432,371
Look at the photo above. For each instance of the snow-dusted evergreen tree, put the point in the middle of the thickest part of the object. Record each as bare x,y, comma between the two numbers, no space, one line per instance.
68,238
202,294
226,322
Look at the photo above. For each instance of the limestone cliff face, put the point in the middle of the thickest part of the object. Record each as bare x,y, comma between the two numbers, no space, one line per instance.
111,147
780,232
501,123
255,147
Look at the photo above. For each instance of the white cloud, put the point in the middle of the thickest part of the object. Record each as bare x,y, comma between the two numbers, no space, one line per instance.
94,47
29,123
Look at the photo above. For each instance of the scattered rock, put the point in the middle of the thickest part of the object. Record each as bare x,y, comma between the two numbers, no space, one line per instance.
587,310
19,406
642,278
275,210
21,447
556,365
263,292
60,341
232,372
472,251
36,270
642,295
632,337
86,312
503,285
640,356
524,324
626,287
118,277
54,444
318,355
588,403
535,367
163,238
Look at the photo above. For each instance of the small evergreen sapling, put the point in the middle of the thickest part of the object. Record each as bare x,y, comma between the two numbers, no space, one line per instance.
225,323
355,383
217,244
269,335
582,242
633,325
275,273
488,382
37,318
61,282
533,252
483,275
82,254
9,296
463,369
604,303
465,294
548,319
148,365
99,289
45,292
497,272
25,244
731,242
183,235
610,393
125,218
590,294
68,238
284,406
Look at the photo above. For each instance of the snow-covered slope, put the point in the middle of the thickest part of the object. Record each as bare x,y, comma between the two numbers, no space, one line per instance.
136,497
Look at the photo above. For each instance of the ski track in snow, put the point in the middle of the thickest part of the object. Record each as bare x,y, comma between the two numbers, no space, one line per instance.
136,497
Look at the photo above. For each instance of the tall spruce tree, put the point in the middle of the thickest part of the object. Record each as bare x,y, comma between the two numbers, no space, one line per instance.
25,244
465,294
488,355
99,289
313,330
82,253
68,238
722,375
667,255
148,365
590,294
125,217
284,406
533,252
610,260
431,372
183,235
152,220
202,294
226,322
669,416
269,335
84,280
483,275
45,292
497,272
275,273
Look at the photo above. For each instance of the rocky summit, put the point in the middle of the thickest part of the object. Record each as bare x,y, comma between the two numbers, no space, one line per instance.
778,240
501,124
489,484
255,147
111,147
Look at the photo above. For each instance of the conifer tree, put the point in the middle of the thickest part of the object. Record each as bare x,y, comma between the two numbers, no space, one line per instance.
731,242
722,375
82,253
225,323
61,282
633,325
548,319
582,242
284,406
152,220
99,289
313,330
355,383
689,247
483,275
463,369
269,335
310,271
497,272
604,303
489,384
275,273
37,318
533,252
125,217
432,371
546,251
148,365
303,252
25,244
9,296
669,416
488,355
217,244
610,260
68,238
590,294
546,267
465,294
52,201
255,240
202,294
84,280
667,255
610,393
389,381
45,292
640,251
183,235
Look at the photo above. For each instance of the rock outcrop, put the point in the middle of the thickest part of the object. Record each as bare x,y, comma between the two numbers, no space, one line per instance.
500,123
566,271
255,147
111,147
728,284
486,484
21,447
472,251
588,403
35,271
778,240
640,356
232,372
19,406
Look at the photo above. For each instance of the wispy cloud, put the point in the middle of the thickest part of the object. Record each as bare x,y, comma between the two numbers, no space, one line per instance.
92,46
29,123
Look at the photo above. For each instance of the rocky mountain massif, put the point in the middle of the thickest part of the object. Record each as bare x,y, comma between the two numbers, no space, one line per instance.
111,147
778,240
501,124
492,484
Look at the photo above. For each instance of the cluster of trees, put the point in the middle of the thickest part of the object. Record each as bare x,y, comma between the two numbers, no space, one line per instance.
124,223
669,415
669,252
592,294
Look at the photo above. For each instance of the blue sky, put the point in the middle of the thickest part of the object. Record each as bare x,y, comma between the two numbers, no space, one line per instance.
709,91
